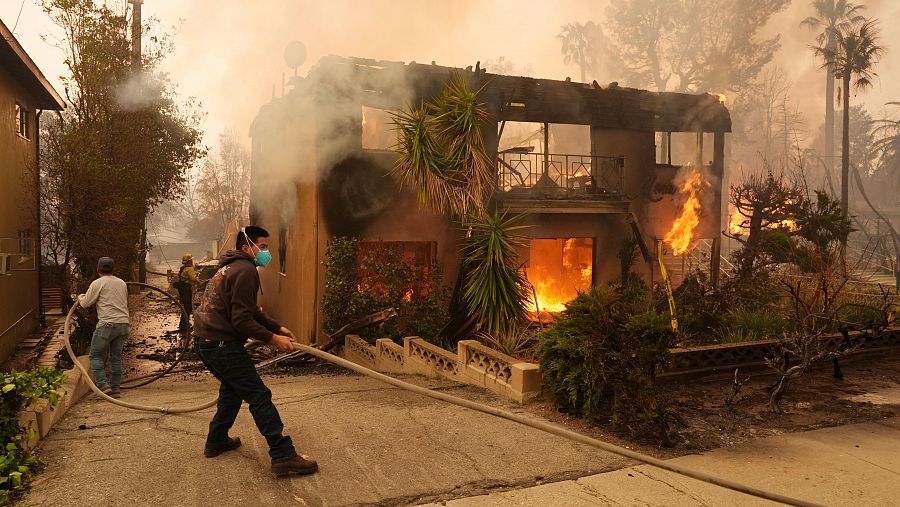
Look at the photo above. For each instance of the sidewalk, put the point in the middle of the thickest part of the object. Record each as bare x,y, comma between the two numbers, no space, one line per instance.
375,444
852,465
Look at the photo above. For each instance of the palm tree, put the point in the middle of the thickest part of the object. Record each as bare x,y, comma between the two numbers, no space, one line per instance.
855,53
830,17
442,152
442,155
578,45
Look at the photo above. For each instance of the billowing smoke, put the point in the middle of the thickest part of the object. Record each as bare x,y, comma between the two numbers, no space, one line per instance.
139,90
301,137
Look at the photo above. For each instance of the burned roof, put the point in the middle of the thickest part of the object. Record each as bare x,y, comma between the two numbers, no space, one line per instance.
22,68
517,98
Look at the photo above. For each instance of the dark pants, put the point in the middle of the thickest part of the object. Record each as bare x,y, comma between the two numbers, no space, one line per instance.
186,295
230,363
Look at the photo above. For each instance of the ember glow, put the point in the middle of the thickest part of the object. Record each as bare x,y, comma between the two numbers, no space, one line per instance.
735,222
558,269
681,234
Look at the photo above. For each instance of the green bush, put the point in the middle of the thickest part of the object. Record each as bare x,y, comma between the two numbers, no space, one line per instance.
359,282
753,323
19,390
600,358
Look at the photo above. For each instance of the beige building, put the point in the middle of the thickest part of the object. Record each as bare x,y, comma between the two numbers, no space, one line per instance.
594,167
24,94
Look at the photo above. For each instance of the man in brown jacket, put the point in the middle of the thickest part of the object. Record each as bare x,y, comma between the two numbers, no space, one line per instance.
228,315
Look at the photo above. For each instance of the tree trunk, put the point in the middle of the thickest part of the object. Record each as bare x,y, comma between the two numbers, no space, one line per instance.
142,254
751,248
845,148
829,117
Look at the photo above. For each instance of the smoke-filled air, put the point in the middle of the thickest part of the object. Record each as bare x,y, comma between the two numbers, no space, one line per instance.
664,231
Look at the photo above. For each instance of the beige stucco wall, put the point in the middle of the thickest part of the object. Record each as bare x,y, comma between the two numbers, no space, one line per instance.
18,210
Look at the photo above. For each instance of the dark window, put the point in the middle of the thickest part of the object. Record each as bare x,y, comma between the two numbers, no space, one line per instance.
25,242
22,121
282,248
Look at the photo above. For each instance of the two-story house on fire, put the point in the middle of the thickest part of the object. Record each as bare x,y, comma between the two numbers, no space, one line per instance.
591,166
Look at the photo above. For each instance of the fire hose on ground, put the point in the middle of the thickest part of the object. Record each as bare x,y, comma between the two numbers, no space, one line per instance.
540,425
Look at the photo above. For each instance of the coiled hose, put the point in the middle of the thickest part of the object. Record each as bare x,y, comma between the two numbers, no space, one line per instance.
540,425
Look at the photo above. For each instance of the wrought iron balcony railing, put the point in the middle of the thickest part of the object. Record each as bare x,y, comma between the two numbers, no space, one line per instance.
553,175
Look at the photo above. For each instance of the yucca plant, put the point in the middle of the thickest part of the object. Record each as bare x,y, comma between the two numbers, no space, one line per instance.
495,289
517,339
442,151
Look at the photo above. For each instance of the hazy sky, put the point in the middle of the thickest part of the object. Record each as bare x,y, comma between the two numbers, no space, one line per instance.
229,52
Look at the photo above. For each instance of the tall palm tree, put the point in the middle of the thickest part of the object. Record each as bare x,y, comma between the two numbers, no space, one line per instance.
830,16
578,45
855,53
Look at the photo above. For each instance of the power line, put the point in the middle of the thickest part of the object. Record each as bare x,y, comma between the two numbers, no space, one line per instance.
17,17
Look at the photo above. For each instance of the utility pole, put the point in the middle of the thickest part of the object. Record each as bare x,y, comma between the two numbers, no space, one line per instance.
136,69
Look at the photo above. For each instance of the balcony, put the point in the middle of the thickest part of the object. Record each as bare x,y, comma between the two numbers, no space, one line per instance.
558,183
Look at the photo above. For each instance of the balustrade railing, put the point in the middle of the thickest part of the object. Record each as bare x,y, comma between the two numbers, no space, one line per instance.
560,175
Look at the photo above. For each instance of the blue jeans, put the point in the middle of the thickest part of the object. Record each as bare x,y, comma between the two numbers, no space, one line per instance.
110,337
230,363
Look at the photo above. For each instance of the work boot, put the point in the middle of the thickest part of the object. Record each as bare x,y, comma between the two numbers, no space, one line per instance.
112,394
213,450
298,465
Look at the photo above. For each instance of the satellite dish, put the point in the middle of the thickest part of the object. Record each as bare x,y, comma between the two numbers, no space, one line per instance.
295,54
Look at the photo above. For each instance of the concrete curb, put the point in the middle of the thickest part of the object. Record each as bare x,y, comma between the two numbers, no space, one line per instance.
41,416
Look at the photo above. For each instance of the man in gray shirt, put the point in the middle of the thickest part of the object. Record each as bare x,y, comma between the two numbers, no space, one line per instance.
110,294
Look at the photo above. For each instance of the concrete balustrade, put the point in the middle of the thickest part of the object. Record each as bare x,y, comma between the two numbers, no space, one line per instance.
473,363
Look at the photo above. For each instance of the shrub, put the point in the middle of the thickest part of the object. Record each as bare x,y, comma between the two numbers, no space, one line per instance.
362,281
600,358
19,390
517,340
753,323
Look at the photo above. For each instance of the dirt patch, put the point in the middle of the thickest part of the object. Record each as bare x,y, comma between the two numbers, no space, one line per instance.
868,392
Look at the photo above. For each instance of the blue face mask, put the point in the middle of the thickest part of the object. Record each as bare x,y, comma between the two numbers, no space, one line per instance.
263,258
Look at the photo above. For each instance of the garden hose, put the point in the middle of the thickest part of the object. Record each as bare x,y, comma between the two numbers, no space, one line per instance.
539,425
67,331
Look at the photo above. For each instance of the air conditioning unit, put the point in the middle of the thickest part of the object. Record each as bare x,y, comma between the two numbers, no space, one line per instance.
5,264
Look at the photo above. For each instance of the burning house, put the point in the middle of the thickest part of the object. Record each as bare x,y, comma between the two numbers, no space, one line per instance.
603,173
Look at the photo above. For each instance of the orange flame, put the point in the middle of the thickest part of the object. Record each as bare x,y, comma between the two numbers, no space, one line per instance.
682,232
558,269
736,222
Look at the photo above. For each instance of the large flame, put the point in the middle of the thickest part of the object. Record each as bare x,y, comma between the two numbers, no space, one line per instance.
558,269
681,234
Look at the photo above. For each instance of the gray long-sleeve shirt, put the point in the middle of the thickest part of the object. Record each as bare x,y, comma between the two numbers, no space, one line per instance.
111,296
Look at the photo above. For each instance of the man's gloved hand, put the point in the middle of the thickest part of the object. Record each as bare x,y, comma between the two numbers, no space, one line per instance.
282,343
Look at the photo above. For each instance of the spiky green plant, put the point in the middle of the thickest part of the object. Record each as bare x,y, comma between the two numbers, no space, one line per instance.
442,152
517,339
495,289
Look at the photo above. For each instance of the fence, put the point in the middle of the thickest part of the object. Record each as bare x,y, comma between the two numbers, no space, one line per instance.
472,364
572,176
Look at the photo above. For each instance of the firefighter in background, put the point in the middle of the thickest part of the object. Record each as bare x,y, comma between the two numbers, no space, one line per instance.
184,283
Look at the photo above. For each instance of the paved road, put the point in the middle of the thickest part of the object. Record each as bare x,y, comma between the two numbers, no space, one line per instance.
375,445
